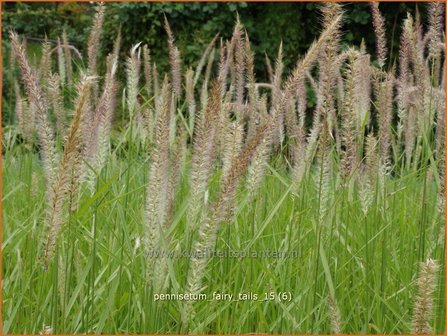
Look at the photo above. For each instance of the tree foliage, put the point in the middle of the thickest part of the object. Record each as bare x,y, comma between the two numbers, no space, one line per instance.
194,25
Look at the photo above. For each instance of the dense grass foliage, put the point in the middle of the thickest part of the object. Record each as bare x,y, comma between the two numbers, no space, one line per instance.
369,262
202,200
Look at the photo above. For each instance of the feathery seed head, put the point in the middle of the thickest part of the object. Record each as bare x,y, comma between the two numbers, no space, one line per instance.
379,29
426,286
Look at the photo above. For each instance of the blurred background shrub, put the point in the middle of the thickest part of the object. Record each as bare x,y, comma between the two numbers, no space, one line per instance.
194,25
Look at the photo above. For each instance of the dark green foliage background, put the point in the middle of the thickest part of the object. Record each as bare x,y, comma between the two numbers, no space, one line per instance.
194,24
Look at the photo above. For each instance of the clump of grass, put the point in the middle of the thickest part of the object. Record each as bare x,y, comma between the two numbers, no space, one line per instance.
68,171
199,149
39,105
217,213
